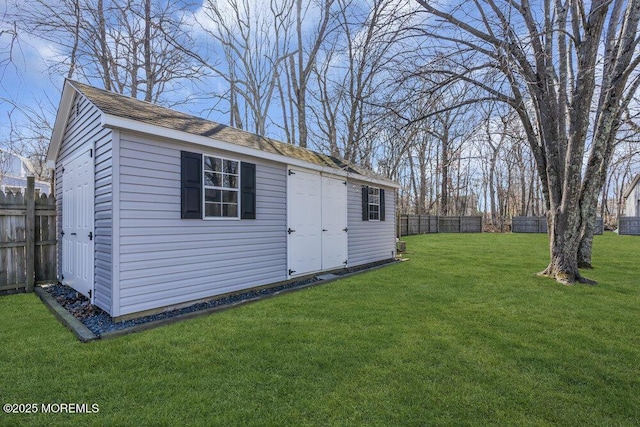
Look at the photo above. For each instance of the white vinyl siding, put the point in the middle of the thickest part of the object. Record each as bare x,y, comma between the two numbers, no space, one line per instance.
369,241
632,207
83,131
165,260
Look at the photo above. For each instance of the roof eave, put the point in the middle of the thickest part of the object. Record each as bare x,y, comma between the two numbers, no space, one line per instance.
631,186
117,122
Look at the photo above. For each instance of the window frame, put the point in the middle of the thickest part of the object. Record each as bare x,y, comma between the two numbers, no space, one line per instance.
370,203
206,187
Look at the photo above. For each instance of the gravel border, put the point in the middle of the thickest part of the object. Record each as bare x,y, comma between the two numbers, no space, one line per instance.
89,322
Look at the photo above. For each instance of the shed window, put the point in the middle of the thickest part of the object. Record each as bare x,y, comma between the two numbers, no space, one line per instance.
374,204
221,178
373,208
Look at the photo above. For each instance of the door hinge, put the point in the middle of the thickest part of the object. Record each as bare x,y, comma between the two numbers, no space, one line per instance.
291,172
62,233
90,293
62,170
91,152
291,272
344,182
291,230
91,235
345,229
62,277
346,261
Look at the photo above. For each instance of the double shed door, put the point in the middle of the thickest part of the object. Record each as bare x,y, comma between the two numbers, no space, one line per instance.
316,221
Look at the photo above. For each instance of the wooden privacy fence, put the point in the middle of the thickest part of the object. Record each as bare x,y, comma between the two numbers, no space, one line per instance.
538,224
629,225
27,239
423,224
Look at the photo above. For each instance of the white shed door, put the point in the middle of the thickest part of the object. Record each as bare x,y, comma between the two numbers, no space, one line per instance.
304,221
334,223
316,221
77,224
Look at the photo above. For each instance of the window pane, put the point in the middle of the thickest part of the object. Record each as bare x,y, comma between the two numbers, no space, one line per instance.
230,196
230,210
213,164
374,212
212,195
212,179
212,209
229,181
231,167
208,163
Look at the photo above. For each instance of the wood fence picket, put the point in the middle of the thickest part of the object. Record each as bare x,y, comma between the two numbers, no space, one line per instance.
27,239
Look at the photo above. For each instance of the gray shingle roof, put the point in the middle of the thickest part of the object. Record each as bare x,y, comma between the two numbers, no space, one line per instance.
145,112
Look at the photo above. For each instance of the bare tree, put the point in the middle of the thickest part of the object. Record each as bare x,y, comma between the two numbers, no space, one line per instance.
252,38
8,38
302,62
128,46
29,133
546,62
353,73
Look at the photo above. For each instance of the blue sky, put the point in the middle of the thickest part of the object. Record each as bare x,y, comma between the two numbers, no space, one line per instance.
32,80
29,78
26,80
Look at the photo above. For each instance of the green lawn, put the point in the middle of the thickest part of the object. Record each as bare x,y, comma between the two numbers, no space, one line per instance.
462,334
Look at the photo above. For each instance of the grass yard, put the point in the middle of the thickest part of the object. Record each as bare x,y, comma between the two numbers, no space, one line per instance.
463,333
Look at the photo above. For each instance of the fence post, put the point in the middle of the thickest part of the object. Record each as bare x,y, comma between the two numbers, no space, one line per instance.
30,235
408,230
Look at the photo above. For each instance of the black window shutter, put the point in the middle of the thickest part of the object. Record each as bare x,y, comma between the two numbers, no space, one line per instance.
248,190
381,204
365,203
191,188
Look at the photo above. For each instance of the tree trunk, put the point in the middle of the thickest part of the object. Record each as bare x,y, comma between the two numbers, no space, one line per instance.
564,241
148,65
492,189
444,183
563,247
104,57
586,245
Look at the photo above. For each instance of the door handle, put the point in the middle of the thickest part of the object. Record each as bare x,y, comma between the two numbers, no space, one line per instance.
73,234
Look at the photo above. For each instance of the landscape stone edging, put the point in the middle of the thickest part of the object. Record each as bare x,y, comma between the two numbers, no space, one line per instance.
81,332
85,335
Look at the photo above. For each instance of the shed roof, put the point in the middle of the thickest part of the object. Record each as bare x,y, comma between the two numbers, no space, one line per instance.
120,106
